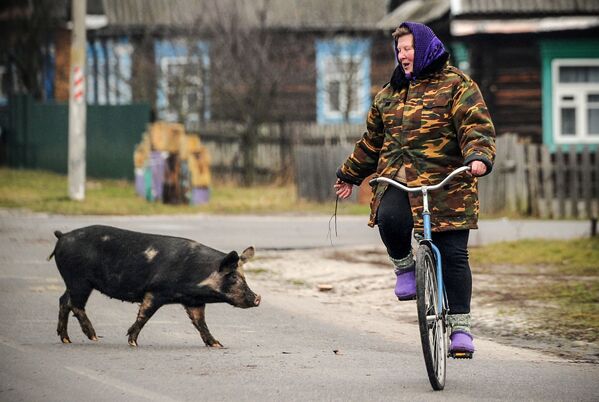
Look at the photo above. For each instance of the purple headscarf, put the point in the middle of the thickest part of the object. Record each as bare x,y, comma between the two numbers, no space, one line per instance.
427,47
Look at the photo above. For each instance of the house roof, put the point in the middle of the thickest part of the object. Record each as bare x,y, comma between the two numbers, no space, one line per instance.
423,11
426,11
529,7
471,17
290,14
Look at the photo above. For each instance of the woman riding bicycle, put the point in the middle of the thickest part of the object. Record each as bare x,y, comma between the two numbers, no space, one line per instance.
429,120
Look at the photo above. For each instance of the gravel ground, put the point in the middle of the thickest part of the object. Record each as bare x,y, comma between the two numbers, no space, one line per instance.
361,277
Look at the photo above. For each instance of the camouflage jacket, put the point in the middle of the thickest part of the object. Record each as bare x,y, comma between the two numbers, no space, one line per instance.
431,126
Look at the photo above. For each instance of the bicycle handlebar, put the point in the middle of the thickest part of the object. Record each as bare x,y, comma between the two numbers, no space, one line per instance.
416,189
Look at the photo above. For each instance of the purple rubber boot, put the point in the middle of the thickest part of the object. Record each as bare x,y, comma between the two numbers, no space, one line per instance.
405,287
461,344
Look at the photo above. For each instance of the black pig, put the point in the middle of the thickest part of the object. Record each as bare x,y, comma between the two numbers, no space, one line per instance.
149,269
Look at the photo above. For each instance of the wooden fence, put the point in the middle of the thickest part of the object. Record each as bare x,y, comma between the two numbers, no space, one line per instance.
315,168
276,150
531,180
527,179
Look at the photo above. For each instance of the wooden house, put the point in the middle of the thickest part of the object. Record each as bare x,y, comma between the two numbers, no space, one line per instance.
536,62
329,57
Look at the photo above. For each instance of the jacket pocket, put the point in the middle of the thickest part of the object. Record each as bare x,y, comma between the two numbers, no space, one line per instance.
436,111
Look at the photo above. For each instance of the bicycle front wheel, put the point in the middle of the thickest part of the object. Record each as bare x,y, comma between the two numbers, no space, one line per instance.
433,332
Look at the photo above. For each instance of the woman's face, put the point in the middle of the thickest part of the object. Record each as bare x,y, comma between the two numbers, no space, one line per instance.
405,52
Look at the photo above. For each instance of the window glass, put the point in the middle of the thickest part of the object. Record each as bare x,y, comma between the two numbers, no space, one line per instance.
571,74
182,93
593,121
183,84
568,121
342,83
593,114
333,94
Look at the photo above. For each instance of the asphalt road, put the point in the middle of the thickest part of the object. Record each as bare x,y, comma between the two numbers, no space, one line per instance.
282,350
280,231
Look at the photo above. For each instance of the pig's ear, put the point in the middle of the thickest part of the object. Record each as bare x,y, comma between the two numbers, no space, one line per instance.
229,263
247,254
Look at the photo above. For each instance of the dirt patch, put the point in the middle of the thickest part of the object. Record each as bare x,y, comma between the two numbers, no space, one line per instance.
362,277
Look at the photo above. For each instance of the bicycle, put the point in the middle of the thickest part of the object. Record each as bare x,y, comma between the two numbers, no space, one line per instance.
431,299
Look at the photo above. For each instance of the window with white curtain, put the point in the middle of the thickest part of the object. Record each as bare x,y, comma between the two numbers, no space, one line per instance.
575,100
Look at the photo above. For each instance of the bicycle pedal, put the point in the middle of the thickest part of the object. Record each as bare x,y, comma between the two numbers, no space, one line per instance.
461,355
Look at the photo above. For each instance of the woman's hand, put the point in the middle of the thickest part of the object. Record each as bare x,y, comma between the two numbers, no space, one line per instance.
477,168
343,189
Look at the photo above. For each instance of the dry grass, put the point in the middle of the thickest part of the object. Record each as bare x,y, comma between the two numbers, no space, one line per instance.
555,284
47,192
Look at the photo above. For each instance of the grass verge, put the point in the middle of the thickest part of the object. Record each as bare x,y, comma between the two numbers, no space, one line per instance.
43,191
555,284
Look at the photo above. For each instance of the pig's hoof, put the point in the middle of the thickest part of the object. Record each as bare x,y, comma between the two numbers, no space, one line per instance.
133,343
94,338
65,340
217,345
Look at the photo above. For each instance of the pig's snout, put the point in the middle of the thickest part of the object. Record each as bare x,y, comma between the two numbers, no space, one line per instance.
249,301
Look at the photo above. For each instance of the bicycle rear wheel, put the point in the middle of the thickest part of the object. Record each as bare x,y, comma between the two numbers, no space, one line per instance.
433,332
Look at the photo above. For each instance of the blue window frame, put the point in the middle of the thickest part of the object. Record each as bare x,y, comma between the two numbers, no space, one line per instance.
343,80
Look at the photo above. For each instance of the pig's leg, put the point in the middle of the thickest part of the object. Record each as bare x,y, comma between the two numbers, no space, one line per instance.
197,316
64,308
78,299
146,310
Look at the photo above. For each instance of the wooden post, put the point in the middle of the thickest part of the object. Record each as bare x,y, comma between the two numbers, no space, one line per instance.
596,195
533,178
77,104
547,182
560,182
511,174
587,184
522,188
573,168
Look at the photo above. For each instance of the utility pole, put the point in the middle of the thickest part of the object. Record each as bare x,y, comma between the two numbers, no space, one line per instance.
77,104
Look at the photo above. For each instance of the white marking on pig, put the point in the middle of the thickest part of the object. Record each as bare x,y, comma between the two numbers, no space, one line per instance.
105,238
150,253
214,281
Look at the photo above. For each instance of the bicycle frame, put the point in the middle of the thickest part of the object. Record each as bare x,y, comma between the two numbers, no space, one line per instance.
426,217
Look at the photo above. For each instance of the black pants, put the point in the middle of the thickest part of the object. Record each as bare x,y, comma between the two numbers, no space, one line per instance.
394,219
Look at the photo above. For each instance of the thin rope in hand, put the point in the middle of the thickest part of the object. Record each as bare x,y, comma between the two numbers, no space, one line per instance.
335,217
